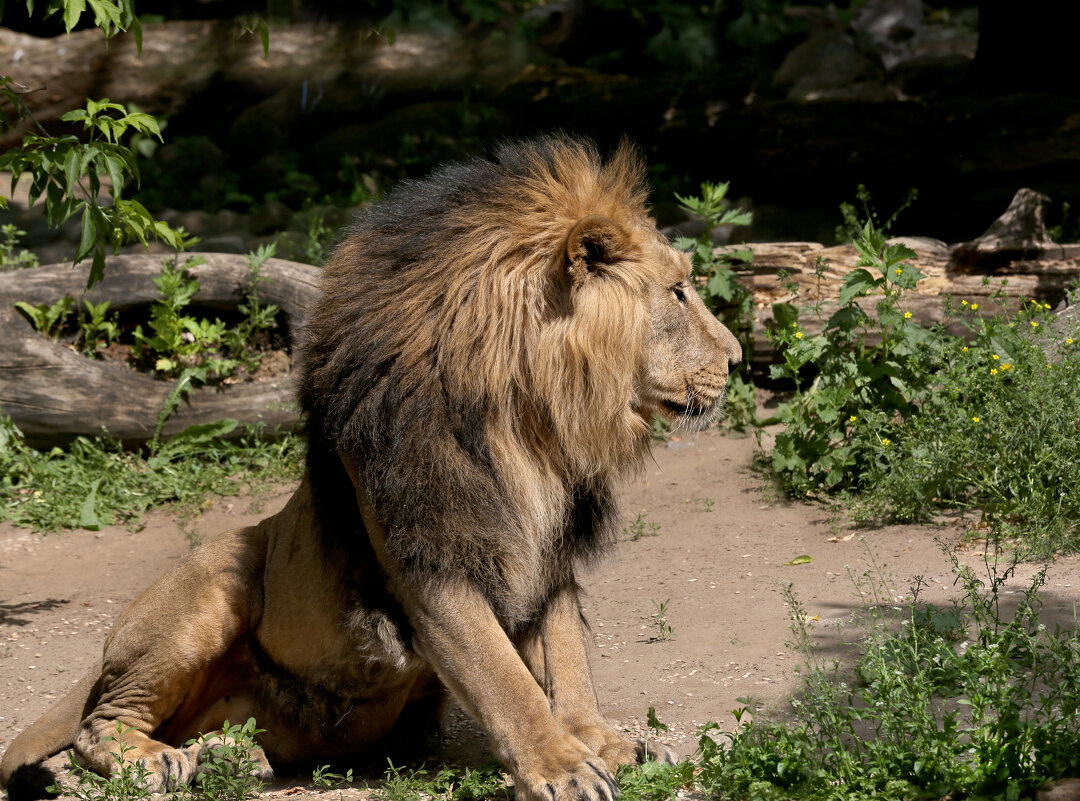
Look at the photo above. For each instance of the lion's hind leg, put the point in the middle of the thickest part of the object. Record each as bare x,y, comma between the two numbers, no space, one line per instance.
175,665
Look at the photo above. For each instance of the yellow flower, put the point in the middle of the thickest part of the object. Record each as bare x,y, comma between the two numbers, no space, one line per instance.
974,306
899,270
995,357
886,442
1034,324
975,419
1006,367
1035,301
907,315
1012,325
963,303
852,419
1069,341
964,349
993,371
798,335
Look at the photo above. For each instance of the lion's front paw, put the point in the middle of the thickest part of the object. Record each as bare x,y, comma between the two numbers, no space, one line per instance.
565,771
167,769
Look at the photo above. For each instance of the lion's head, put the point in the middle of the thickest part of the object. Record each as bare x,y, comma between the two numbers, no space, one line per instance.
502,333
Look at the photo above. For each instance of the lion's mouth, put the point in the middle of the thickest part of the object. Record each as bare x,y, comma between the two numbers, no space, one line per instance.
693,410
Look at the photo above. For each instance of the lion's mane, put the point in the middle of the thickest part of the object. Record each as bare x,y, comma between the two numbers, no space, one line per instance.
483,397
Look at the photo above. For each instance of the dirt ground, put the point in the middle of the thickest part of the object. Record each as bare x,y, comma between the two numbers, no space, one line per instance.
718,561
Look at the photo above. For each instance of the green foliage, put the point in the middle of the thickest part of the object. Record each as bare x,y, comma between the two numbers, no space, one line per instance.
852,226
9,258
485,782
67,174
95,482
664,630
191,349
225,770
226,766
49,321
869,373
996,431
641,527
717,283
1068,227
952,702
911,420
325,779
97,328
126,782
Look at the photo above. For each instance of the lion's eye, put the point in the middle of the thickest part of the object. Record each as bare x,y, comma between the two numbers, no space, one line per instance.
679,294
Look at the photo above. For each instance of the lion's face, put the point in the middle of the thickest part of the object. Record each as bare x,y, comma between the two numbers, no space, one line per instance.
676,354
688,353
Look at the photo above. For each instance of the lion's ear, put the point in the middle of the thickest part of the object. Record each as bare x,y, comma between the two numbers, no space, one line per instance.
595,242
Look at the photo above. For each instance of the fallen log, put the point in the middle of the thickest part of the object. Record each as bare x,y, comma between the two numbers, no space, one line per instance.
54,394
1015,249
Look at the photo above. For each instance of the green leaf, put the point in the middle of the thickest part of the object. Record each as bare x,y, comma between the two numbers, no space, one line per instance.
88,238
857,282
722,283
88,518
136,33
73,9
97,268
785,314
800,560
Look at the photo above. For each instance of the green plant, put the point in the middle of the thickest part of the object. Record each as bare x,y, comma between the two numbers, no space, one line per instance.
641,527
852,226
323,778
227,769
9,259
870,372
126,782
664,630
97,329
68,174
49,321
954,702
715,275
95,482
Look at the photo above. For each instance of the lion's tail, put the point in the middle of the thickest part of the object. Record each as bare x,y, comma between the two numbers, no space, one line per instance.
21,771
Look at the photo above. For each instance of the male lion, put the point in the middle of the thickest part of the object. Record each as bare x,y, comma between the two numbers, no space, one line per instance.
489,348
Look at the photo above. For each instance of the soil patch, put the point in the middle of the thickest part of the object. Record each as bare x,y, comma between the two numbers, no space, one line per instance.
717,560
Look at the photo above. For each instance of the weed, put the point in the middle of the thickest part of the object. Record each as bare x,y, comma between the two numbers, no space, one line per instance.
49,321
468,784
664,630
95,482
226,766
324,779
125,782
10,258
946,702
853,225
912,419
641,527
704,504
716,279
97,328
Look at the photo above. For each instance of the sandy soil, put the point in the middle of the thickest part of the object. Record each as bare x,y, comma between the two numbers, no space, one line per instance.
717,560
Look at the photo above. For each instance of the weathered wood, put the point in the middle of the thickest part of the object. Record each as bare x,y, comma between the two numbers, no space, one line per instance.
54,394
1045,278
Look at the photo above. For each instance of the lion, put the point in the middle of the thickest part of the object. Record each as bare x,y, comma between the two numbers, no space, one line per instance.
481,370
